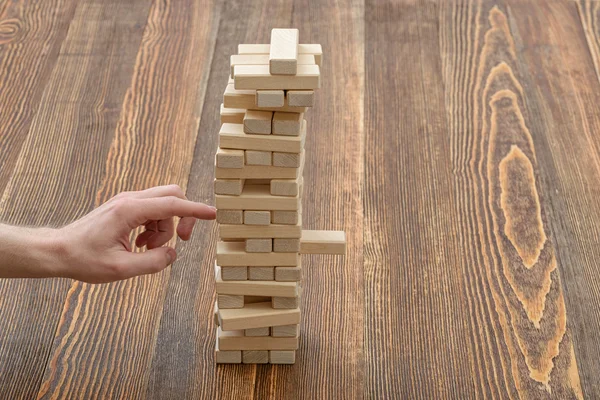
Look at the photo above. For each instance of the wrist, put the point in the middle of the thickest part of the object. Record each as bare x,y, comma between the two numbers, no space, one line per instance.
51,252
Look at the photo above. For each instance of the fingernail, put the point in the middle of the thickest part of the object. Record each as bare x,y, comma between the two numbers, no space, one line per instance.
214,208
171,256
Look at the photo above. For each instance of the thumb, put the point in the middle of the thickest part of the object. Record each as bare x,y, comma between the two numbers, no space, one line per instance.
149,261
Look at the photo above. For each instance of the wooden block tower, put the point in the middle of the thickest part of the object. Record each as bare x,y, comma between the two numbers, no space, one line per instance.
258,195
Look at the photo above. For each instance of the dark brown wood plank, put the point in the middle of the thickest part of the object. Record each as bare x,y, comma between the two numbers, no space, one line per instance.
519,340
104,343
59,169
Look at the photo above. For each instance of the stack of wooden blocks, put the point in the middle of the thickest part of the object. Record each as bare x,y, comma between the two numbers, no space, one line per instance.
258,194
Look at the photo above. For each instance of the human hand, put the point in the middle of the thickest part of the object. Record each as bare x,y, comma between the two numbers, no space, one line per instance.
96,248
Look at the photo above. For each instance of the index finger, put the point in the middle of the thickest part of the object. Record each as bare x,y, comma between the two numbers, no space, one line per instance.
167,207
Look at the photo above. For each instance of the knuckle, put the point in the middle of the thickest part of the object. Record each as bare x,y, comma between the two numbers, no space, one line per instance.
176,190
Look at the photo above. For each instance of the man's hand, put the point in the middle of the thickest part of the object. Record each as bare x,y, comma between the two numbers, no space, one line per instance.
96,248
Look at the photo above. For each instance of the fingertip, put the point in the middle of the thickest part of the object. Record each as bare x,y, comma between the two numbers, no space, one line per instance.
171,255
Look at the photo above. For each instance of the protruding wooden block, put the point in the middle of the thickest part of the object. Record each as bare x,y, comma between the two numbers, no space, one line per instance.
260,231
285,302
323,242
258,77
270,98
255,316
258,198
283,53
232,115
288,274
227,356
261,273
246,99
255,157
232,301
236,340
286,245
314,49
228,158
285,331
286,123
254,332
285,187
258,122
301,98
257,217
285,217
233,254
231,187
282,356
233,217
286,160
259,246
255,356
260,172
234,273
232,136
253,291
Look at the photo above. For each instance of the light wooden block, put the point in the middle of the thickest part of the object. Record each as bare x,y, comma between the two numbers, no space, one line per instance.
232,301
258,181
216,314
233,254
256,218
270,98
232,136
227,356
258,122
282,356
313,49
228,158
284,302
285,187
260,231
259,246
231,187
253,291
255,157
264,331
286,160
236,340
258,198
258,77
256,316
286,245
285,217
255,356
323,242
263,59
285,331
234,274
233,217
286,123
301,98
288,274
232,115
261,274
283,53
260,172
246,99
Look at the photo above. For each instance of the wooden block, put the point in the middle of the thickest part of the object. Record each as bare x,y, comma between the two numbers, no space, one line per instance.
246,99
232,301
285,331
261,274
236,340
260,172
231,187
288,274
258,77
255,157
258,181
260,231
232,136
287,123
286,245
285,217
234,274
232,115
232,254
285,187
256,218
301,98
286,160
283,53
216,314
313,49
263,59
227,356
259,246
284,302
282,356
259,198
233,217
323,242
262,289
258,122
227,158
265,331
255,356
255,316
270,98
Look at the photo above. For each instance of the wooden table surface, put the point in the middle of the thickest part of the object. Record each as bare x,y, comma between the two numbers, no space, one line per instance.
457,143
